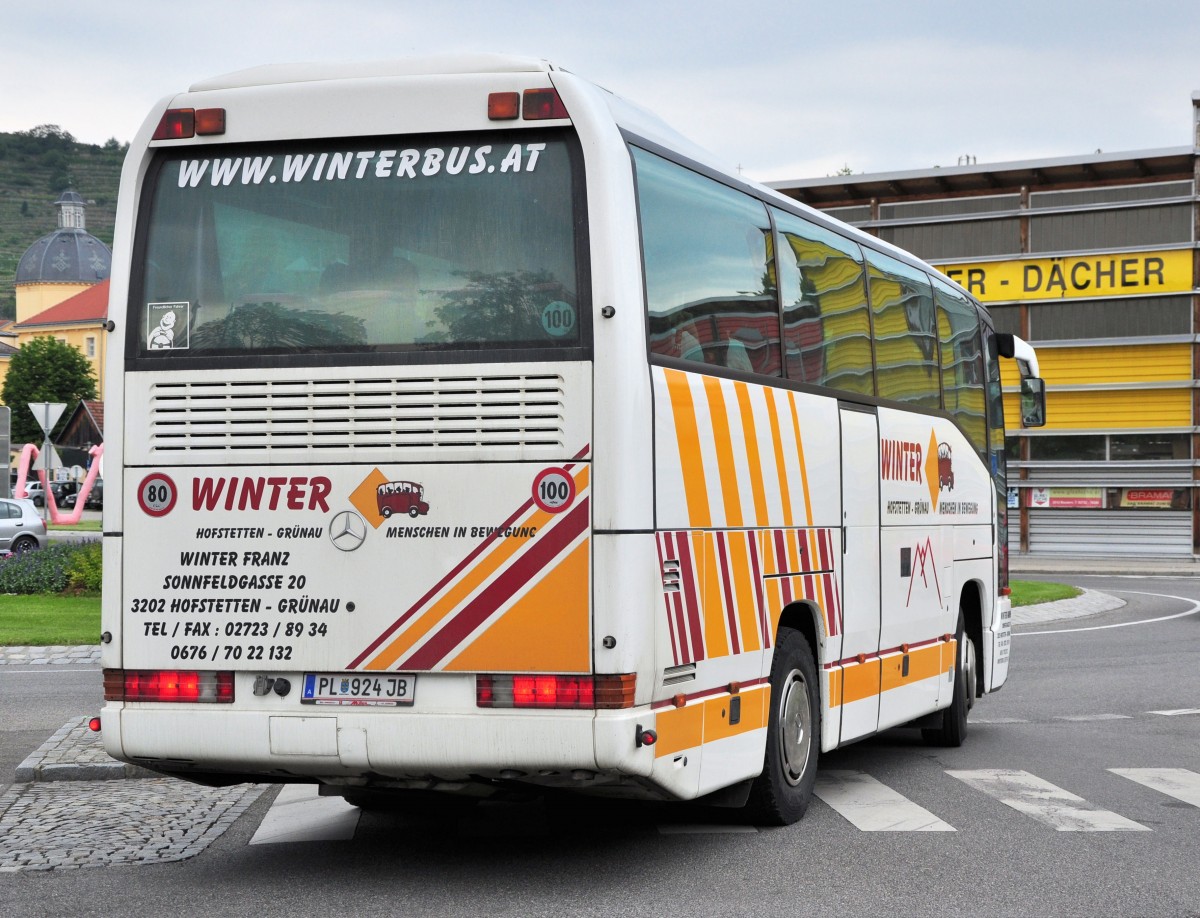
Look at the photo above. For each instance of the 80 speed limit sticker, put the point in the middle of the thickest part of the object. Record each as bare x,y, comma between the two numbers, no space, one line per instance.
156,494
553,490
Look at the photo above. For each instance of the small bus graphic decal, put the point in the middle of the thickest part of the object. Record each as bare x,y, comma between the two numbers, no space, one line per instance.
401,497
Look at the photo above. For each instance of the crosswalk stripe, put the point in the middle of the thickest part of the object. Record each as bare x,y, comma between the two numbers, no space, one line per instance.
299,814
1083,718
1174,782
872,806
1045,802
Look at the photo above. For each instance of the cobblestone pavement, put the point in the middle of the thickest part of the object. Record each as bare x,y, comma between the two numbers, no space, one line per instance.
75,753
46,656
67,824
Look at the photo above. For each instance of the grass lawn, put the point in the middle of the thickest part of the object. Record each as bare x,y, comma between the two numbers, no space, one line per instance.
44,620
1029,592
81,526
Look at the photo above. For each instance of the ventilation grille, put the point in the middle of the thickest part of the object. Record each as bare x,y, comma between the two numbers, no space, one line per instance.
671,576
394,414
674,675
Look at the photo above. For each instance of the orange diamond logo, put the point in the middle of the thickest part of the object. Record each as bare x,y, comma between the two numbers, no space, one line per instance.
364,498
931,470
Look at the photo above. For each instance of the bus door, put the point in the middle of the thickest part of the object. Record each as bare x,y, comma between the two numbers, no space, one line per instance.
860,571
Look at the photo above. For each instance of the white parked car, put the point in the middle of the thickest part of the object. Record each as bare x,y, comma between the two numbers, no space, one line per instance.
21,528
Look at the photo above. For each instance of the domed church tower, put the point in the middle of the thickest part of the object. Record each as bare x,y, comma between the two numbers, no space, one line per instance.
62,263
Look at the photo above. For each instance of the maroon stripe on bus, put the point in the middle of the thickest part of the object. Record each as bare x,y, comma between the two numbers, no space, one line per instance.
530,565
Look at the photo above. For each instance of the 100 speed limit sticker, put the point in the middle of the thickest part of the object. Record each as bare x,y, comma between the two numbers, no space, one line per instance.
553,490
157,494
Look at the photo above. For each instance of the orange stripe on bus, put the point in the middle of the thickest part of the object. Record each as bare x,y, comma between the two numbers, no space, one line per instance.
800,454
923,663
750,437
860,681
679,729
780,462
687,436
708,721
743,581
723,443
717,622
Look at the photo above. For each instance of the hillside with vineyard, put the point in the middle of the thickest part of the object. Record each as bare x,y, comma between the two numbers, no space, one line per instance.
36,166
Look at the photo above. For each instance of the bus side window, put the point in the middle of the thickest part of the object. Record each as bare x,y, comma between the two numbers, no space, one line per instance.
709,266
826,322
906,344
962,364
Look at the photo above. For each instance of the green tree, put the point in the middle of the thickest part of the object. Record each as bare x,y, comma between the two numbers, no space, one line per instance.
45,370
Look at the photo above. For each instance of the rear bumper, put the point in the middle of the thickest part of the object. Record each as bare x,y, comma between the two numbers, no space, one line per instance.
375,746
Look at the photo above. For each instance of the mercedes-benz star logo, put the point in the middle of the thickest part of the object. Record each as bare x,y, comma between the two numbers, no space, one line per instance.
347,531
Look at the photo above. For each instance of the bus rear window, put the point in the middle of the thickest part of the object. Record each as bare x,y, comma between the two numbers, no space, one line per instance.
375,244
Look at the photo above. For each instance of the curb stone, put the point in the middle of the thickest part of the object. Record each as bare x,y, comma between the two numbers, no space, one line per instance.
1089,602
75,753
47,656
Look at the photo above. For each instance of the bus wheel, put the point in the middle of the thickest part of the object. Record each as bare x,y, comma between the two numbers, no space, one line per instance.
386,512
782,792
953,730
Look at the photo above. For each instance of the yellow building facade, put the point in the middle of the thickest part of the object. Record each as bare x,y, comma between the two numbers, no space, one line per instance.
1095,260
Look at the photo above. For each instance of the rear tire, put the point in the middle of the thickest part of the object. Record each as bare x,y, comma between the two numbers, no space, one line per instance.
782,792
23,544
953,730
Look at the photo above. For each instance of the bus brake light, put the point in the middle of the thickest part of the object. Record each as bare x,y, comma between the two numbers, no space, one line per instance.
553,691
168,685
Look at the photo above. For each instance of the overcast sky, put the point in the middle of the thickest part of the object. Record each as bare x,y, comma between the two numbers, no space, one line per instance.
784,89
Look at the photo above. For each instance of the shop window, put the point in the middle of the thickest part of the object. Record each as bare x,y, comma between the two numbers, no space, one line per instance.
1149,447
1081,448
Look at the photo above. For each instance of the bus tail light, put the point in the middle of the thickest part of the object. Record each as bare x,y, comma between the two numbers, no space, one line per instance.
182,123
168,685
542,104
552,691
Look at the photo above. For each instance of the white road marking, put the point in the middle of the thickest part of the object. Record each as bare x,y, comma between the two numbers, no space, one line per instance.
872,806
1176,712
1145,621
1174,782
299,814
999,720
1057,808
1087,717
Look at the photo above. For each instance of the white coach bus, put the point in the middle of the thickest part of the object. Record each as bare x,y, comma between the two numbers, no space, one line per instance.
474,430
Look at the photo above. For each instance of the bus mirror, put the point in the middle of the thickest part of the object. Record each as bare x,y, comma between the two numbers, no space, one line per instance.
1033,402
1005,345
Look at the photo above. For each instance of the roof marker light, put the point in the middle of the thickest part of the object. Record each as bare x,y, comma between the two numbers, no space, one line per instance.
504,106
210,121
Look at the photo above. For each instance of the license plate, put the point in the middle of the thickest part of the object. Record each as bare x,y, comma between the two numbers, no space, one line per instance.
359,689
